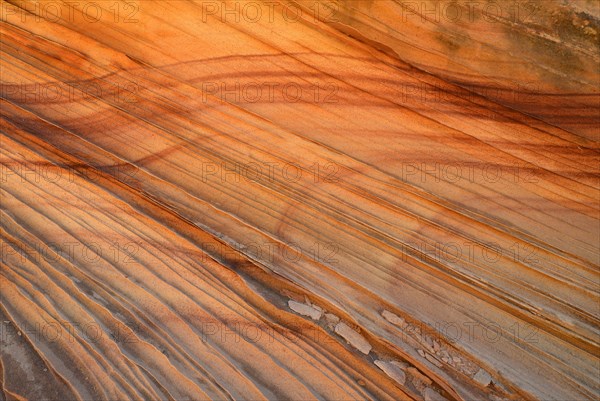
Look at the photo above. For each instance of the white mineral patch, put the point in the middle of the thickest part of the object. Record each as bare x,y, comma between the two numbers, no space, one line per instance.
354,338
331,318
394,319
305,310
482,377
392,370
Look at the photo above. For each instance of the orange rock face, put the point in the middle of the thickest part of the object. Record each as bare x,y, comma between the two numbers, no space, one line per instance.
333,200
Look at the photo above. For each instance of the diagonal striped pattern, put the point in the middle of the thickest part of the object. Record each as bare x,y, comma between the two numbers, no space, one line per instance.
195,208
